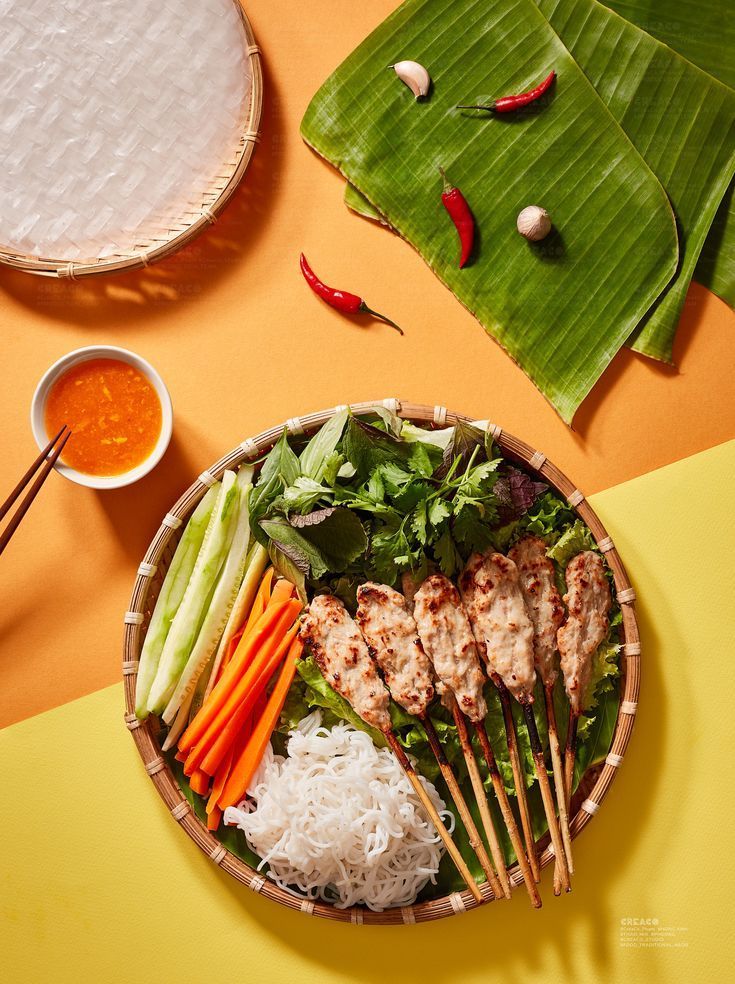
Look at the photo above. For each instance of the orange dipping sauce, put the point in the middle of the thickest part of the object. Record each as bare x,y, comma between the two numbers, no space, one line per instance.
113,412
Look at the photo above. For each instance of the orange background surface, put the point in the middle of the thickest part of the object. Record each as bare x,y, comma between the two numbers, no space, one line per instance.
242,344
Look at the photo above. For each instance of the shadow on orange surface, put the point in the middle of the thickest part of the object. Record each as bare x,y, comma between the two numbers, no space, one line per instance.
132,515
690,322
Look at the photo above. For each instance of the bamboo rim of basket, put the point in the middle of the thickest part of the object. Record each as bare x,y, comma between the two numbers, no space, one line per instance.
152,571
192,222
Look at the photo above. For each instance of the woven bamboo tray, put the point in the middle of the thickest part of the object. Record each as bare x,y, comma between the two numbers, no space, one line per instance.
171,232
152,570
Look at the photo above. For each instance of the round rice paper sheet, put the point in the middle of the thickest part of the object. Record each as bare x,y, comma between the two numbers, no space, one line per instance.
122,123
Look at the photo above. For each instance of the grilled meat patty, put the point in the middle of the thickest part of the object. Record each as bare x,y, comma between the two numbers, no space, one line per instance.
543,602
446,635
588,602
491,592
339,649
392,638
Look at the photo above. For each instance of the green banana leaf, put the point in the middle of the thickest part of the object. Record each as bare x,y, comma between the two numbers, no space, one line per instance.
694,162
678,117
716,267
358,203
561,308
705,34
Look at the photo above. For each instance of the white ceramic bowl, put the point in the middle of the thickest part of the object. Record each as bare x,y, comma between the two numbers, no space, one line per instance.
38,414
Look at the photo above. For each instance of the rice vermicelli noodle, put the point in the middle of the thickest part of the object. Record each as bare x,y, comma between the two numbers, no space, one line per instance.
338,820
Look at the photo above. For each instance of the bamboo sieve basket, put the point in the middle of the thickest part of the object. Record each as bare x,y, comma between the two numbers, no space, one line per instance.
174,227
152,570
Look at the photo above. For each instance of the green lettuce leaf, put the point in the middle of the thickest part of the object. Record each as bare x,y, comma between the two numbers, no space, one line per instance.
576,539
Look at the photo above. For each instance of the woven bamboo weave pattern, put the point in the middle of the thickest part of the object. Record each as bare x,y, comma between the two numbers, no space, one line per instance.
122,122
596,781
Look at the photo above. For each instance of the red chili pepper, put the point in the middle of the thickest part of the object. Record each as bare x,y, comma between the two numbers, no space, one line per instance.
508,104
459,211
340,299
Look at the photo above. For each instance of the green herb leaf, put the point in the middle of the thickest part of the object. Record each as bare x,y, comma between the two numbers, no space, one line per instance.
447,555
439,511
466,440
280,469
437,438
421,461
367,446
336,533
576,539
288,568
316,455
303,554
303,495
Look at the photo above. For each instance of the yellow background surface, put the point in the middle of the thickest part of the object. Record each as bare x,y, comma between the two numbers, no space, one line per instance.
99,883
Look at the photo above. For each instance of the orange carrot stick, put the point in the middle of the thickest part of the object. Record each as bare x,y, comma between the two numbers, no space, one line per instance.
224,770
190,765
214,818
219,780
260,604
257,607
224,685
262,597
285,593
259,707
282,591
248,761
246,688
199,782
234,722
243,712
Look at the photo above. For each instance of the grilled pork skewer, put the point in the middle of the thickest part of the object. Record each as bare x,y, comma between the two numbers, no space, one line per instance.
469,591
545,609
588,602
392,639
447,639
492,594
343,658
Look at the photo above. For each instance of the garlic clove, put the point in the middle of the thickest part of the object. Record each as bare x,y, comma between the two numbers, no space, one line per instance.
414,75
534,223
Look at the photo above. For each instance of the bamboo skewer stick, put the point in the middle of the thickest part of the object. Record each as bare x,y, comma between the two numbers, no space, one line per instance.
546,794
451,847
464,811
558,769
519,779
507,813
481,798
570,754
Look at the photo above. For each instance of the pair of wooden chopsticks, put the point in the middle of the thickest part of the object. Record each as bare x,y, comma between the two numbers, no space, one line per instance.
47,458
